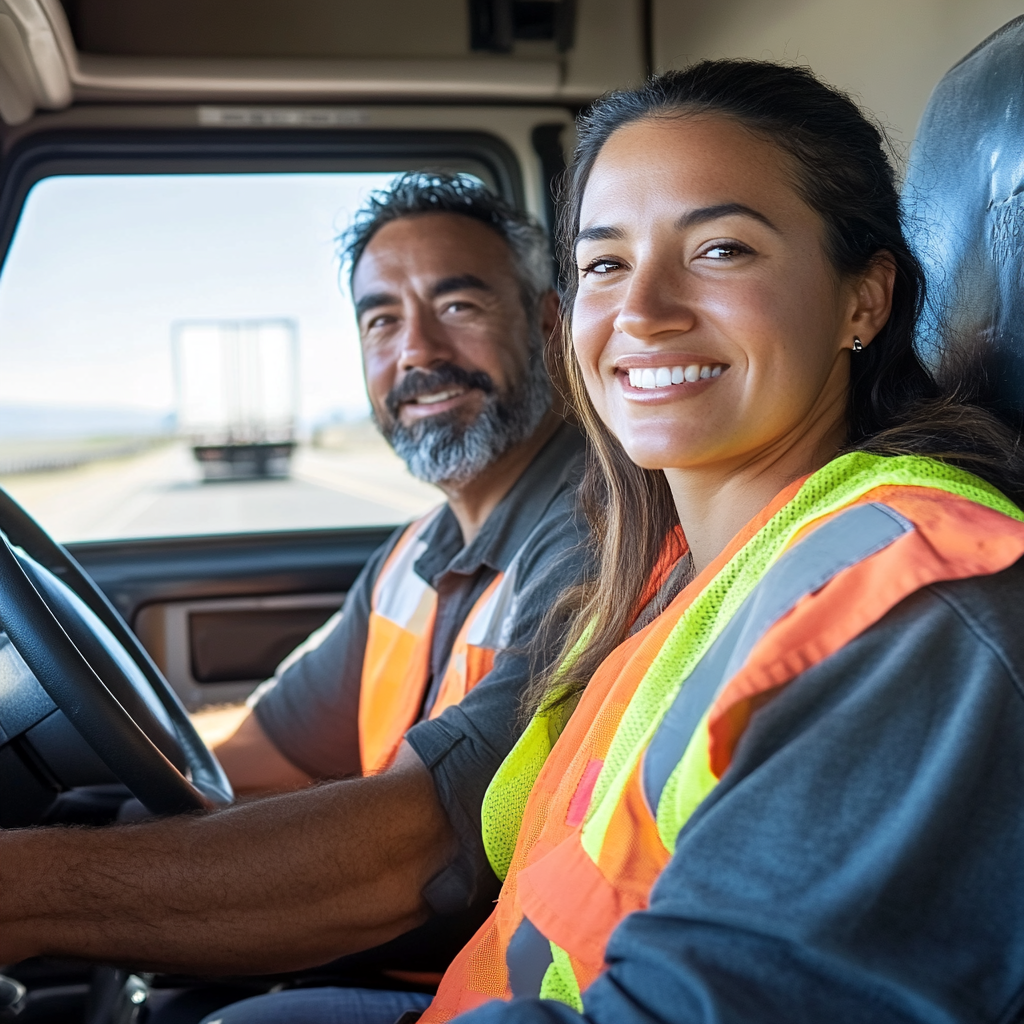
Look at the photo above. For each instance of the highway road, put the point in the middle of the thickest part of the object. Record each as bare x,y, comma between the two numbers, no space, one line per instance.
160,493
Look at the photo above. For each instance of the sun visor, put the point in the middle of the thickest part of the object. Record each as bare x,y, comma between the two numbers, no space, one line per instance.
33,72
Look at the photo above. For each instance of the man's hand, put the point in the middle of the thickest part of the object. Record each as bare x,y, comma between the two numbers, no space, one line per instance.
277,884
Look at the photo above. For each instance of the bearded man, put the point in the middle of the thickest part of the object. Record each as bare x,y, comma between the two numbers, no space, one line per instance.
415,684
452,292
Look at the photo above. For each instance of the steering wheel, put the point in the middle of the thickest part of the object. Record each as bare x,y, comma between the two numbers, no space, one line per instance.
94,669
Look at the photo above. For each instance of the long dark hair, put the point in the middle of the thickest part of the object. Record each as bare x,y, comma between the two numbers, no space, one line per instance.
896,406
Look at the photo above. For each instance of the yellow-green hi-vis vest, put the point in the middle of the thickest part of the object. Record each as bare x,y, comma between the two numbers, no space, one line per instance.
583,815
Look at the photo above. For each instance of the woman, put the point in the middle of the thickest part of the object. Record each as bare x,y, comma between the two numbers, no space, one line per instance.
775,776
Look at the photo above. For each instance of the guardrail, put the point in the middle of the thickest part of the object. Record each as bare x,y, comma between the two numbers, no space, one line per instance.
40,456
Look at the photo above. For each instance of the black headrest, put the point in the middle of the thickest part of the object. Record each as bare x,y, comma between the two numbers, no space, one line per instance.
964,201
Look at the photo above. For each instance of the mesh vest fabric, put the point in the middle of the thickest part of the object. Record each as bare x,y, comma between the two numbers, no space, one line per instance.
632,692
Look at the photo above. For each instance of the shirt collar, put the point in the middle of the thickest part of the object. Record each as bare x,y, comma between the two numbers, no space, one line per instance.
513,518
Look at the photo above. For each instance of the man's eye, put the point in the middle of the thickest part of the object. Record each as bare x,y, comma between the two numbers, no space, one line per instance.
456,307
379,321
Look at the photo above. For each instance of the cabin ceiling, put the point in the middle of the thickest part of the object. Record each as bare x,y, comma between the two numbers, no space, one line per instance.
321,29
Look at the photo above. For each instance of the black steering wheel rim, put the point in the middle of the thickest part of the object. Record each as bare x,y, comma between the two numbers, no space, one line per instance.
89,698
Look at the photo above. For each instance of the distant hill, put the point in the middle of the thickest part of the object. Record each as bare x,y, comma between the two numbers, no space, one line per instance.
42,421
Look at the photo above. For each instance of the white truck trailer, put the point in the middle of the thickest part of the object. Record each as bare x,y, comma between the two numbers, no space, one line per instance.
237,392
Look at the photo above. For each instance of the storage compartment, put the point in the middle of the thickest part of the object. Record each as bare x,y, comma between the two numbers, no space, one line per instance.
233,646
219,650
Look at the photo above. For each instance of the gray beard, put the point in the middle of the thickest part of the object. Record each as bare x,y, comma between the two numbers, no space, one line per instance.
442,449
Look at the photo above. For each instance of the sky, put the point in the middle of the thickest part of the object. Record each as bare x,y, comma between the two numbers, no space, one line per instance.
102,265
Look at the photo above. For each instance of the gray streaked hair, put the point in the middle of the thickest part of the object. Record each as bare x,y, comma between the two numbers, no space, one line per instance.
419,192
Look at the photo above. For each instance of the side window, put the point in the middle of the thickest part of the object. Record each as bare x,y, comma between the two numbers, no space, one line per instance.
179,356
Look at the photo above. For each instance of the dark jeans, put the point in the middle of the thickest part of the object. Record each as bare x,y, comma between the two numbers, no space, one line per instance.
321,1006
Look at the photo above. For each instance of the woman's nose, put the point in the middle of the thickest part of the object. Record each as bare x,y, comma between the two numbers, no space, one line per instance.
655,304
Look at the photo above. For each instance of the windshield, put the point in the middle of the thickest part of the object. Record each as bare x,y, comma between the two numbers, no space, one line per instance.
180,357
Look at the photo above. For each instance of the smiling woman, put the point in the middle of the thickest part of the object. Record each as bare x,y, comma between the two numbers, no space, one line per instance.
760,257
790,681
681,278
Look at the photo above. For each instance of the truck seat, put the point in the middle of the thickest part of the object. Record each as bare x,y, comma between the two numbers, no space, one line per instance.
964,200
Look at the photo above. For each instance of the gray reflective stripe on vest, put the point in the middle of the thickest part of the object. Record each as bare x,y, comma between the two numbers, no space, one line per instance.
528,958
492,627
842,542
400,594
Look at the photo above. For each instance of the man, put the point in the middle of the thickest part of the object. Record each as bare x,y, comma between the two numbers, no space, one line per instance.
454,303
452,293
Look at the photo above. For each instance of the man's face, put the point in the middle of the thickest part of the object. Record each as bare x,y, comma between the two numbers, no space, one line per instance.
452,359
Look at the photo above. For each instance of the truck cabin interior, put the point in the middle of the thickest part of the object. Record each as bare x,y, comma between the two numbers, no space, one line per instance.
211,515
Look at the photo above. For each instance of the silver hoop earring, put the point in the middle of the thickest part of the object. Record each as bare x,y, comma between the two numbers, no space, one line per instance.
857,346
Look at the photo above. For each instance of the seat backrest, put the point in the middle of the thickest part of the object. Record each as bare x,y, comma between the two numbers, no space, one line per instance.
964,202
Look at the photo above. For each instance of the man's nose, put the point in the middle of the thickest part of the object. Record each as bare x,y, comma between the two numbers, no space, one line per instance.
424,343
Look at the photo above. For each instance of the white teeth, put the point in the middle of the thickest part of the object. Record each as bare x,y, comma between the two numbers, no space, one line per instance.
437,396
664,376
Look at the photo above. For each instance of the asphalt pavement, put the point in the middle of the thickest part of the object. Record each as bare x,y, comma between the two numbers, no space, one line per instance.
160,493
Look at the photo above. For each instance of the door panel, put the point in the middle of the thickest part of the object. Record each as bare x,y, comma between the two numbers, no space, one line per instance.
219,613
218,651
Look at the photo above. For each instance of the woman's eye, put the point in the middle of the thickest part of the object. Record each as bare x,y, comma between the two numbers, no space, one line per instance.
600,267
724,251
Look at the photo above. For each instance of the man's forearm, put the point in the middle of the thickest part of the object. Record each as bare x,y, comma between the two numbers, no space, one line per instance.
254,764
276,884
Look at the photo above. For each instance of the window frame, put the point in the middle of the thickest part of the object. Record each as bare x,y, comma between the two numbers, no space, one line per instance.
143,151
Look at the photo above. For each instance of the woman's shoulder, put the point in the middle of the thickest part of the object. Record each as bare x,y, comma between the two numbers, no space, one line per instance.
936,685
983,610
944,652
964,636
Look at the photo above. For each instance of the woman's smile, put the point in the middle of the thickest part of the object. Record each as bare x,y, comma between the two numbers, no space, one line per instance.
666,377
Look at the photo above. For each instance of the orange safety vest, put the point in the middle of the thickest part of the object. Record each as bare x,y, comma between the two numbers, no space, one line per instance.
583,816
396,665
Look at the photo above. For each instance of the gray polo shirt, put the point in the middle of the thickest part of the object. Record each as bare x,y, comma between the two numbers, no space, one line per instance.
310,709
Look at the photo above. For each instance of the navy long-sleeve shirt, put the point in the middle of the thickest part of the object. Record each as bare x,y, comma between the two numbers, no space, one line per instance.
862,860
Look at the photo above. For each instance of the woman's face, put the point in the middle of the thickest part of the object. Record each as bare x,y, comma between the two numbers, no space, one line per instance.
708,324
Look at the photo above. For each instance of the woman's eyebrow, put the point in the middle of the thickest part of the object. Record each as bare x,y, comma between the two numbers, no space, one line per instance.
706,213
603,233
598,234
